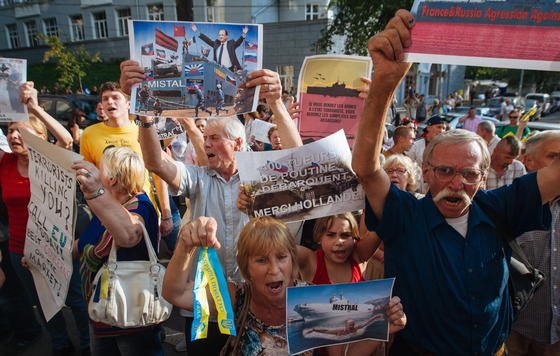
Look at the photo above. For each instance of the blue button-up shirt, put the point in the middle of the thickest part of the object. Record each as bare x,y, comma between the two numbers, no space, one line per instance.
454,290
211,195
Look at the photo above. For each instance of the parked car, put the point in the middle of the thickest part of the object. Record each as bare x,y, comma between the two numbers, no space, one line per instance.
543,101
62,107
555,97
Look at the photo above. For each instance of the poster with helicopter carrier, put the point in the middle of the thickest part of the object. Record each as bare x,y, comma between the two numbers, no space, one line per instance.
194,69
333,314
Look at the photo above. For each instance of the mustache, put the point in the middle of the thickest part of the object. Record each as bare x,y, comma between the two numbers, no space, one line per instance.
448,193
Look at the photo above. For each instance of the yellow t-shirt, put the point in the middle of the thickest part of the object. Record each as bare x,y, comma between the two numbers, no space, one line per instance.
96,138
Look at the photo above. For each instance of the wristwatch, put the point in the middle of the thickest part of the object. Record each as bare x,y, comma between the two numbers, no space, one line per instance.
98,193
144,124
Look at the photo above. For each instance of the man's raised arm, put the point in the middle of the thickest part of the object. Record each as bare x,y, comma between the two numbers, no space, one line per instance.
386,51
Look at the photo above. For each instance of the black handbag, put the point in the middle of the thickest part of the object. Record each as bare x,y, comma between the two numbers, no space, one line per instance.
524,279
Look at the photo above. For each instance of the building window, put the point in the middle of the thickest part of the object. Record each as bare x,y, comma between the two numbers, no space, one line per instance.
77,28
312,11
155,12
31,29
51,28
100,24
13,35
122,16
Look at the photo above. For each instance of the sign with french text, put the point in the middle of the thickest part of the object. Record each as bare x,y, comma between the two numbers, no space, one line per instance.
302,183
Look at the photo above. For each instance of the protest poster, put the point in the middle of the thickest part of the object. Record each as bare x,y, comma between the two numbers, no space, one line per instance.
13,73
301,183
329,96
508,34
194,69
260,129
326,315
49,234
167,127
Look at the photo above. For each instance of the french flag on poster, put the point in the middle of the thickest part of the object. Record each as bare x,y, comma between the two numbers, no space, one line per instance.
148,49
160,53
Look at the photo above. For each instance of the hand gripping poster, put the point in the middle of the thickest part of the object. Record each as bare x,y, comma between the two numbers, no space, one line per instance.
194,69
50,228
301,183
326,315
492,33
13,73
329,96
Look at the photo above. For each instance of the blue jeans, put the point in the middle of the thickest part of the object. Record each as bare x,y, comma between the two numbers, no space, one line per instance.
146,343
75,300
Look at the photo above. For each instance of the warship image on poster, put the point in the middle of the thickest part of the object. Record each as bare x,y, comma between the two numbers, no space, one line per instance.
338,313
302,183
329,93
337,89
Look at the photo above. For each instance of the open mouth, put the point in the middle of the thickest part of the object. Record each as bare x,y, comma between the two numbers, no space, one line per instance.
275,287
211,155
340,253
453,200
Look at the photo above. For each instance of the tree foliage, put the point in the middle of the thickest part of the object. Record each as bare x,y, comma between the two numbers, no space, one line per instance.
70,65
541,81
358,20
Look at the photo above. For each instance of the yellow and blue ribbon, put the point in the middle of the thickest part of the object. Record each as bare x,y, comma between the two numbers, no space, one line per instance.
209,273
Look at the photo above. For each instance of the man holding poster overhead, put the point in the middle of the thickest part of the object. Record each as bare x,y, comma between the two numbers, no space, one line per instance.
451,267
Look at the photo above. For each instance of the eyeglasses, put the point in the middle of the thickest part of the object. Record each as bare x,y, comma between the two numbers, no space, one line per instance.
469,175
398,171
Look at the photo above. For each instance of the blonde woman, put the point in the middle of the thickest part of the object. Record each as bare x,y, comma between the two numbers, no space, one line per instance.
114,194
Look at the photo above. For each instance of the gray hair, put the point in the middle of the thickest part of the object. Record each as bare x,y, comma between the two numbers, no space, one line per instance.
513,143
534,141
455,137
233,128
487,126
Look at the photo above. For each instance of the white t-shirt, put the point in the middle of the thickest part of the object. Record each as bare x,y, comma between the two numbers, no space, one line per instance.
460,224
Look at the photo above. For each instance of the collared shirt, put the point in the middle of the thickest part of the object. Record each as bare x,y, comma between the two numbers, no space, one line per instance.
416,152
514,170
540,320
493,143
455,289
211,195
471,124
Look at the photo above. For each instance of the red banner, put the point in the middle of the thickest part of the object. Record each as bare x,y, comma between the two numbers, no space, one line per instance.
166,41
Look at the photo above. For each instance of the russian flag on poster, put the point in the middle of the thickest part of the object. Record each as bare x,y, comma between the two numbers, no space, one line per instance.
250,57
148,49
194,69
278,167
230,80
250,46
178,31
160,53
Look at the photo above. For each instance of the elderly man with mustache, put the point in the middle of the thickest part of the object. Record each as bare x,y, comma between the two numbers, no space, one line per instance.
451,267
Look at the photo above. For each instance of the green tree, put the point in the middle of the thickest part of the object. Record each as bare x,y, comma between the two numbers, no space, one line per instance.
71,65
358,20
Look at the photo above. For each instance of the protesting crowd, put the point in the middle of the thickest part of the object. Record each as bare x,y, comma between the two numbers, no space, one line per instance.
446,215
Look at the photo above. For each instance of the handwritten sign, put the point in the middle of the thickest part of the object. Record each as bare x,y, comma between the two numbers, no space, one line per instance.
50,227
302,183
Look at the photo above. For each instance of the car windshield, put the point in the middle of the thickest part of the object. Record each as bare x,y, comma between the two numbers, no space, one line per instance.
535,98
